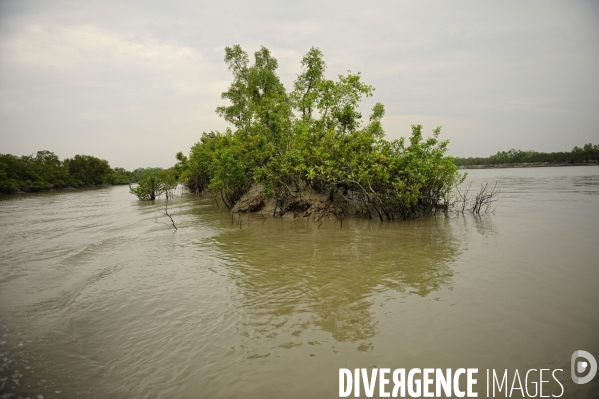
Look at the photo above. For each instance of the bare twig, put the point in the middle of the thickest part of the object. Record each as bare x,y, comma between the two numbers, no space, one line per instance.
485,197
169,215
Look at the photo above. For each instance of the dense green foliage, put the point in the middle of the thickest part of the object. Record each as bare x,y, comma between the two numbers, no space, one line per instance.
154,182
142,173
46,171
314,137
588,153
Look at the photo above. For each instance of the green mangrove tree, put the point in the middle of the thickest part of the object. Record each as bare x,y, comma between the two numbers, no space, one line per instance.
315,137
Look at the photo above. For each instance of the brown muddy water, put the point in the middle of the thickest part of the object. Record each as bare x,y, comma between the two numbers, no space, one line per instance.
100,298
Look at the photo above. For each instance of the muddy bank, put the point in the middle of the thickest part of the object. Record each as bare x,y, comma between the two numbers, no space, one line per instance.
306,204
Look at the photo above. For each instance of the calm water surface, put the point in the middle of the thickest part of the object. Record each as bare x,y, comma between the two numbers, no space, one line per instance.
100,298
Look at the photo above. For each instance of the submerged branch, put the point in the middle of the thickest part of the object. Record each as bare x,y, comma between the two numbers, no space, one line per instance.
169,215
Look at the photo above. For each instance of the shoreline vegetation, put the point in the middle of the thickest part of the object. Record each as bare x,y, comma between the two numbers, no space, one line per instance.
587,155
44,171
527,165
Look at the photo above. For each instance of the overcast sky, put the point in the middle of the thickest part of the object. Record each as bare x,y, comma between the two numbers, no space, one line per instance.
135,82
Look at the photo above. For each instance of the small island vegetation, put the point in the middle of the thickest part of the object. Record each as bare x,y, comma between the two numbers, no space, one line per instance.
311,152
154,182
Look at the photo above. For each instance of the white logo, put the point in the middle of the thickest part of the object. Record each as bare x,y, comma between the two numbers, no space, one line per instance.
582,365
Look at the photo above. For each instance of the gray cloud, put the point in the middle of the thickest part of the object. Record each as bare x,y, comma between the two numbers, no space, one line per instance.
136,82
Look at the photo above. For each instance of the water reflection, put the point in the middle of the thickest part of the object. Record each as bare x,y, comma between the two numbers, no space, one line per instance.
293,276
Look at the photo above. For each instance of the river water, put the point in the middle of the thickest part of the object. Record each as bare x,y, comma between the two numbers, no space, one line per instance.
100,297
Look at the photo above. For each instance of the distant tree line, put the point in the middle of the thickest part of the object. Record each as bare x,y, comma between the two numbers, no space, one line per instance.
588,153
45,171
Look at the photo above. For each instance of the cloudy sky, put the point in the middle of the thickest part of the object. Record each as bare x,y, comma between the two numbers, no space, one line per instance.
135,82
